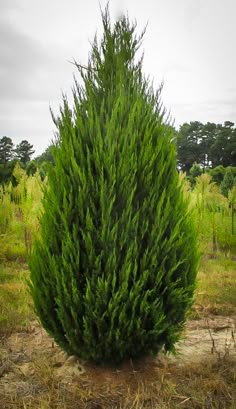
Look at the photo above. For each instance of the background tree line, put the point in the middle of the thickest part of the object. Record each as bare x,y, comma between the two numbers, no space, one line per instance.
208,148
209,145
10,155
201,148
22,154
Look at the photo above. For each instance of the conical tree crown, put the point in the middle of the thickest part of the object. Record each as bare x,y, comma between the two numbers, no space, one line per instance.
113,271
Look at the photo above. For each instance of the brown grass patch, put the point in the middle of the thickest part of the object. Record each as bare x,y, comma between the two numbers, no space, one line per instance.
34,373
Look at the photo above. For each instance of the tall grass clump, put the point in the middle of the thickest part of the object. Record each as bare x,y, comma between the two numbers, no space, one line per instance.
215,215
20,205
113,270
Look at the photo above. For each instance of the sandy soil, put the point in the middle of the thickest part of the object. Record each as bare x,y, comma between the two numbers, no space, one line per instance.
28,359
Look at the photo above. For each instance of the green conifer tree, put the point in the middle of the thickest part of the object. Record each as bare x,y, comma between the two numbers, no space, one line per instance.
194,172
113,271
228,182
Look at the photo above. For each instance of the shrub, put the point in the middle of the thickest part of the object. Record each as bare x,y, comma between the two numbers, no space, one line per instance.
217,174
194,172
228,182
113,271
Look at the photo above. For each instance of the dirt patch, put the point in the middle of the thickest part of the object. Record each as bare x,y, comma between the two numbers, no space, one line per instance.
206,338
31,365
215,335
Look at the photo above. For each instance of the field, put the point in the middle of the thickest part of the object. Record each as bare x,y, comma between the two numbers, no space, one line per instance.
35,373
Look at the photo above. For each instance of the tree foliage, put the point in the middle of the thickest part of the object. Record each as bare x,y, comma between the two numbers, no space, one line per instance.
46,156
24,151
9,156
209,144
228,182
217,174
6,149
195,171
113,272
7,162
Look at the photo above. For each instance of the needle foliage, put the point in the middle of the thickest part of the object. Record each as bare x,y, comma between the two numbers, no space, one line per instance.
113,271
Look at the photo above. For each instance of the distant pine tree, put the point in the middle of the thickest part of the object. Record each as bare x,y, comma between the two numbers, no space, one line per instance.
24,151
228,182
113,272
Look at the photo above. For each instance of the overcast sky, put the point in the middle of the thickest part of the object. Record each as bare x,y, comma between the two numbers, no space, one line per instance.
190,44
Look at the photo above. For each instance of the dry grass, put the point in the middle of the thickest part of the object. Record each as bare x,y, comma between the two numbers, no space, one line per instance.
35,374
15,305
149,384
216,290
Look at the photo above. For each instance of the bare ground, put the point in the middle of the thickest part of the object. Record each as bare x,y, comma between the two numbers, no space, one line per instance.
35,373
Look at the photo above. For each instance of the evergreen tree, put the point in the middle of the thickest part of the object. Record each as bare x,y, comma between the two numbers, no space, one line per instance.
223,151
44,161
6,170
188,145
210,145
6,149
31,168
46,156
217,174
7,162
194,172
24,151
113,271
228,182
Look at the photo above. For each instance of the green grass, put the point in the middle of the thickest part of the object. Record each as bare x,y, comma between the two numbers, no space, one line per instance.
15,304
225,240
216,287
12,248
